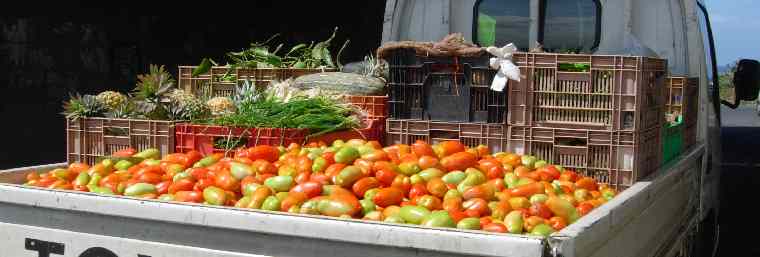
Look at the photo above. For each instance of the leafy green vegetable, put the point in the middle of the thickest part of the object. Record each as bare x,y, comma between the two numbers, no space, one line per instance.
202,68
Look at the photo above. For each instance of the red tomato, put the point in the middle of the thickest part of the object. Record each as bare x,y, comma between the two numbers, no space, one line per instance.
78,167
329,157
402,182
476,207
485,220
426,162
497,184
264,152
303,177
151,178
188,196
320,178
334,169
293,199
451,147
362,185
127,152
203,184
388,196
226,181
385,176
584,208
263,166
587,183
568,175
310,188
557,223
437,187
459,161
421,148
198,173
540,210
495,227
185,184
366,167
417,190
163,187
457,215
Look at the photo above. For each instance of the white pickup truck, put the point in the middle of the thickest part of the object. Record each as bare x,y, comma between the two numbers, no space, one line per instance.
672,213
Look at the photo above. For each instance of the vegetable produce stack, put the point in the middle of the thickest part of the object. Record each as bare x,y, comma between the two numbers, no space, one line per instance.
442,185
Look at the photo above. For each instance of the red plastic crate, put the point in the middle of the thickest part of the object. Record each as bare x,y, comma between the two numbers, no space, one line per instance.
209,139
613,93
470,134
375,106
88,139
616,158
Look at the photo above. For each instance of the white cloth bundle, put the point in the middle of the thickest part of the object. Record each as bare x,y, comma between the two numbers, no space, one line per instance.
503,62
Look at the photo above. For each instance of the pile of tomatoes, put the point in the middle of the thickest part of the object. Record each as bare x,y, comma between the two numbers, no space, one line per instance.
441,185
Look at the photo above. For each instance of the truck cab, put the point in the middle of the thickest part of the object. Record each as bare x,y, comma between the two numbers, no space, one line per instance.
677,30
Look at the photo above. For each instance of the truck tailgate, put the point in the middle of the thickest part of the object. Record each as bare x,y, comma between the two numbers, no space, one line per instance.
80,221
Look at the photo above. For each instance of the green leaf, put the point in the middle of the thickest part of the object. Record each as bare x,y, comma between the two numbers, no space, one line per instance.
202,68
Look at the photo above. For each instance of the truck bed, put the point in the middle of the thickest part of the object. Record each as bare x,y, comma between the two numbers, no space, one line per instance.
644,220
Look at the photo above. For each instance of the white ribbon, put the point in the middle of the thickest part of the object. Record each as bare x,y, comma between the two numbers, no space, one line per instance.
503,62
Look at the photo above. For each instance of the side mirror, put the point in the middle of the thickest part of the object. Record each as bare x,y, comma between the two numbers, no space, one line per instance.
746,82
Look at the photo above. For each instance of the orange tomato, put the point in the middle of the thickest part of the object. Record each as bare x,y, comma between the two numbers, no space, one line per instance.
452,204
476,207
459,161
293,199
426,162
557,223
587,183
78,167
584,208
388,196
362,185
310,188
181,185
540,210
437,187
421,148
264,152
189,196
568,175
450,147
417,190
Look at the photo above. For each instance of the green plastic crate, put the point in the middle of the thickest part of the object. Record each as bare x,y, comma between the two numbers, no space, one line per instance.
672,143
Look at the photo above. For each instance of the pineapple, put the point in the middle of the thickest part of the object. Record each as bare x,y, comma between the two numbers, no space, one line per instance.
80,106
125,110
154,86
221,105
180,95
111,99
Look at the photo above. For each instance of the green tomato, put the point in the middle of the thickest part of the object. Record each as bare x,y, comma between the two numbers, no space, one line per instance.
214,195
542,230
454,177
431,173
538,198
240,170
469,223
139,189
438,219
413,214
394,219
367,206
279,183
271,204
123,165
346,155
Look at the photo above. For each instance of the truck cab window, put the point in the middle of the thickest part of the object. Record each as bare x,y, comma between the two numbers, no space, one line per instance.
563,26
571,25
499,22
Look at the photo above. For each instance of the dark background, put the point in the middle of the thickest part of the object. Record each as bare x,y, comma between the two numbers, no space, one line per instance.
50,49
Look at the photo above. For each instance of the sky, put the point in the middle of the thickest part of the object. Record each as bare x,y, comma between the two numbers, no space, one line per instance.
736,27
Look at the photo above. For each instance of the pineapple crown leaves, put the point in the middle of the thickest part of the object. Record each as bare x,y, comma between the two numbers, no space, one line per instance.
153,86
80,106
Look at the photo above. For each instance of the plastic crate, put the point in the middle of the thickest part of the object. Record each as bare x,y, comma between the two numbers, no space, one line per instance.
672,141
209,139
443,88
375,106
470,134
615,158
683,98
213,83
87,139
612,93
